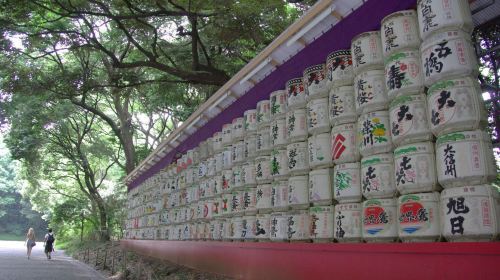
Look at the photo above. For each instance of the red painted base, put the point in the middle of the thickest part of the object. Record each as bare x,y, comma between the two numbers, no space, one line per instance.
244,260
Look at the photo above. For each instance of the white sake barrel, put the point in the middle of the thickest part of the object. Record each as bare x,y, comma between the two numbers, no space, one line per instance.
237,225
278,133
215,229
263,169
250,201
339,69
317,116
279,196
370,91
218,183
263,141
418,216
278,104
262,227
321,219
250,147
470,213
347,182
296,124
344,146
226,205
192,171
227,158
465,158
366,51
342,105
248,173
237,129
455,105
399,31
319,147
296,93
238,177
320,187
217,141
211,166
374,135
403,74
347,226
237,203
415,168
202,171
279,164
226,134
227,181
190,157
217,206
315,81
227,229
438,15
238,152
377,179
249,229
298,158
448,55
279,227
409,120
299,225
263,113
298,192
209,149
200,207
207,209
380,221
250,120
210,187
263,195
219,162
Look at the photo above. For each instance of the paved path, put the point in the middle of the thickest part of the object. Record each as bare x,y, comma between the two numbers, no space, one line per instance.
14,264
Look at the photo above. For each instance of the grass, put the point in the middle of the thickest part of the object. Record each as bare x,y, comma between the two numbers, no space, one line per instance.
11,237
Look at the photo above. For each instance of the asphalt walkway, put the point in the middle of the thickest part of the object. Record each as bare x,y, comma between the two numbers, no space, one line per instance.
14,264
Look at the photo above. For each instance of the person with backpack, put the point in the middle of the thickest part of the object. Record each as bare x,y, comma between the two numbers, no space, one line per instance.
49,243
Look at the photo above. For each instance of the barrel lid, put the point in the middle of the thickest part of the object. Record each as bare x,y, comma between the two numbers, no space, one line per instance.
439,37
447,84
434,196
379,202
365,34
398,101
348,165
459,136
294,81
477,190
343,127
402,55
316,209
400,13
414,148
338,53
314,68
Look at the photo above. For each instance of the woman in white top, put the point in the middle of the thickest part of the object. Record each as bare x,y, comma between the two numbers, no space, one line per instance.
30,241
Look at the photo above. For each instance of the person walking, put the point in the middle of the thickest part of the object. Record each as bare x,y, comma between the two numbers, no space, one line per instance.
49,243
30,241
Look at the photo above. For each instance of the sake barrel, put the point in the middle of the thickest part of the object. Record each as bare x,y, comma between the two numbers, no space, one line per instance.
209,146
237,203
321,219
209,185
455,105
237,129
226,134
279,227
380,220
296,124
448,55
263,113
278,104
227,181
248,173
263,195
370,91
347,182
279,164
342,105
202,171
250,120
227,158
217,142
250,201
210,162
263,169
218,184
248,228
237,226
219,162
238,152
217,206
339,69
226,205
278,133
238,177
418,216
189,157
192,171
377,179
279,196
438,15
465,158
215,232
317,116
320,189
207,209
403,74
319,147
298,158
227,229
344,146
263,141
374,134
409,121
315,82
366,51
298,192
296,93
347,225
470,213
399,31
262,227
250,147
298,225
415,168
